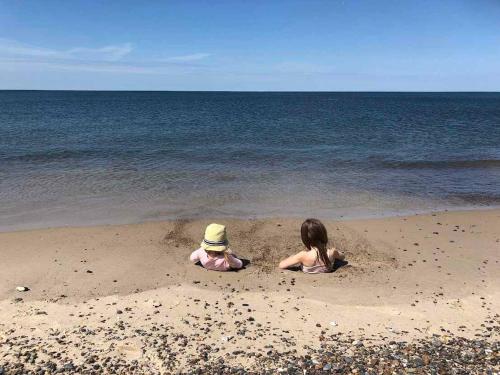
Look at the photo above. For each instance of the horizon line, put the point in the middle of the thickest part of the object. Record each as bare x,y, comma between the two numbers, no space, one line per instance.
261,91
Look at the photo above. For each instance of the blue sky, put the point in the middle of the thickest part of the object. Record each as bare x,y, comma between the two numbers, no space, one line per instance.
379,45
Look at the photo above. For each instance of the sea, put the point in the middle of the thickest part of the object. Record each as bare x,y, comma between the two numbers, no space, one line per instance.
96,157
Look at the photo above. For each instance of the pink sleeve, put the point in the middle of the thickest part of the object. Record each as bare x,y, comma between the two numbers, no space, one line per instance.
235,262
195,256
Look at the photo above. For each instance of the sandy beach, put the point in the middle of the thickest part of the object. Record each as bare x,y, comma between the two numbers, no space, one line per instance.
125,299
128,127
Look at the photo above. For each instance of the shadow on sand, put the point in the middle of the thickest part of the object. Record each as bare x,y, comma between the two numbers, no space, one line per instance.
245,262
336,265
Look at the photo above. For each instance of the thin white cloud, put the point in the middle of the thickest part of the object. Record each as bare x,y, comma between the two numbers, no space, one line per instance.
23,64
15,64
12,48
186,58
111,59
107,53
77,66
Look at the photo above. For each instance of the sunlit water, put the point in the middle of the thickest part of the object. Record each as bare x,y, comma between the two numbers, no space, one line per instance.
80,158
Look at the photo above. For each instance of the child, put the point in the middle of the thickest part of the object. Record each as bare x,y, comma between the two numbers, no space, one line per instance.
317,258
214,253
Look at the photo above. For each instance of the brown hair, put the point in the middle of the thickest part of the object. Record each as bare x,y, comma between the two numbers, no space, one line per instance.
314,234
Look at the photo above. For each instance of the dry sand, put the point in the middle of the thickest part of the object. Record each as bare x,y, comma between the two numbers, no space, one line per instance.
111,291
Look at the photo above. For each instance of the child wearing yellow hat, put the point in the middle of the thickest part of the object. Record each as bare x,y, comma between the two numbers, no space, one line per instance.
214,253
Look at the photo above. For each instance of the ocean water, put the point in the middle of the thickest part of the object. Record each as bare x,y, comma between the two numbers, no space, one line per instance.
82,158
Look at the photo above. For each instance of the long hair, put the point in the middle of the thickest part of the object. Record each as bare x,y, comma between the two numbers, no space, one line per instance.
314,234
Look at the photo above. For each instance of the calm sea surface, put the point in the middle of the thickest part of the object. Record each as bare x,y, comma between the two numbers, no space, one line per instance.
72,158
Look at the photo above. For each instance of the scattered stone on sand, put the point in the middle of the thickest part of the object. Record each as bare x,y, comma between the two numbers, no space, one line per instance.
168,352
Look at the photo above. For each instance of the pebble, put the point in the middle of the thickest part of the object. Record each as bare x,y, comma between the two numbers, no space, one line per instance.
69,366
336,353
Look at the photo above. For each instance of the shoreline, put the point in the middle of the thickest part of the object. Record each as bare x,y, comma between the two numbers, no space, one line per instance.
409,280
341,218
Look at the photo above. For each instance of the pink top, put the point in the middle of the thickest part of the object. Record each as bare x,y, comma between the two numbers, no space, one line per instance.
318,266
217,263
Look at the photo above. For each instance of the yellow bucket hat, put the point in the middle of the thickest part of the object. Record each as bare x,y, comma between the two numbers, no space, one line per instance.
215,238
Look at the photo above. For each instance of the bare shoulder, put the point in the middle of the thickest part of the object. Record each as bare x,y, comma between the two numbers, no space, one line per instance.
300,256
307,255
303,254
292,260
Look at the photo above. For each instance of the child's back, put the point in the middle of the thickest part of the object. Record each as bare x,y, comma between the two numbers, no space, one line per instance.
312,262
317,258
214,253
216,262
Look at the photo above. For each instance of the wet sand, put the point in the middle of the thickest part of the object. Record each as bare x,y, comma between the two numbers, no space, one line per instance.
128,293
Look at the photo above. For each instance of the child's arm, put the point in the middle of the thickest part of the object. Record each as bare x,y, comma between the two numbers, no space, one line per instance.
234,262
195,256
291,261
337,254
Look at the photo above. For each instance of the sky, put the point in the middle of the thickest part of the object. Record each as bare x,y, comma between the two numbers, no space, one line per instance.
251,45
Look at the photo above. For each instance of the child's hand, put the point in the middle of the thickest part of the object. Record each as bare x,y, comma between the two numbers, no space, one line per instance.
229,251
338,255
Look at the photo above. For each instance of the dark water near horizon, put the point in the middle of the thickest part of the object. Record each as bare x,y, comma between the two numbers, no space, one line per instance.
77,158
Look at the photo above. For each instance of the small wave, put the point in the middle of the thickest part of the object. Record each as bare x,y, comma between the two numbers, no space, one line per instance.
48,156
481,199
442,164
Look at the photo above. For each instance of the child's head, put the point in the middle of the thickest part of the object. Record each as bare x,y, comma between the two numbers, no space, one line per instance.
313,234
215,241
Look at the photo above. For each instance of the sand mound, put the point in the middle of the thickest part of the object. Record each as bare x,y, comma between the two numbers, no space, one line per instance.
264,242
